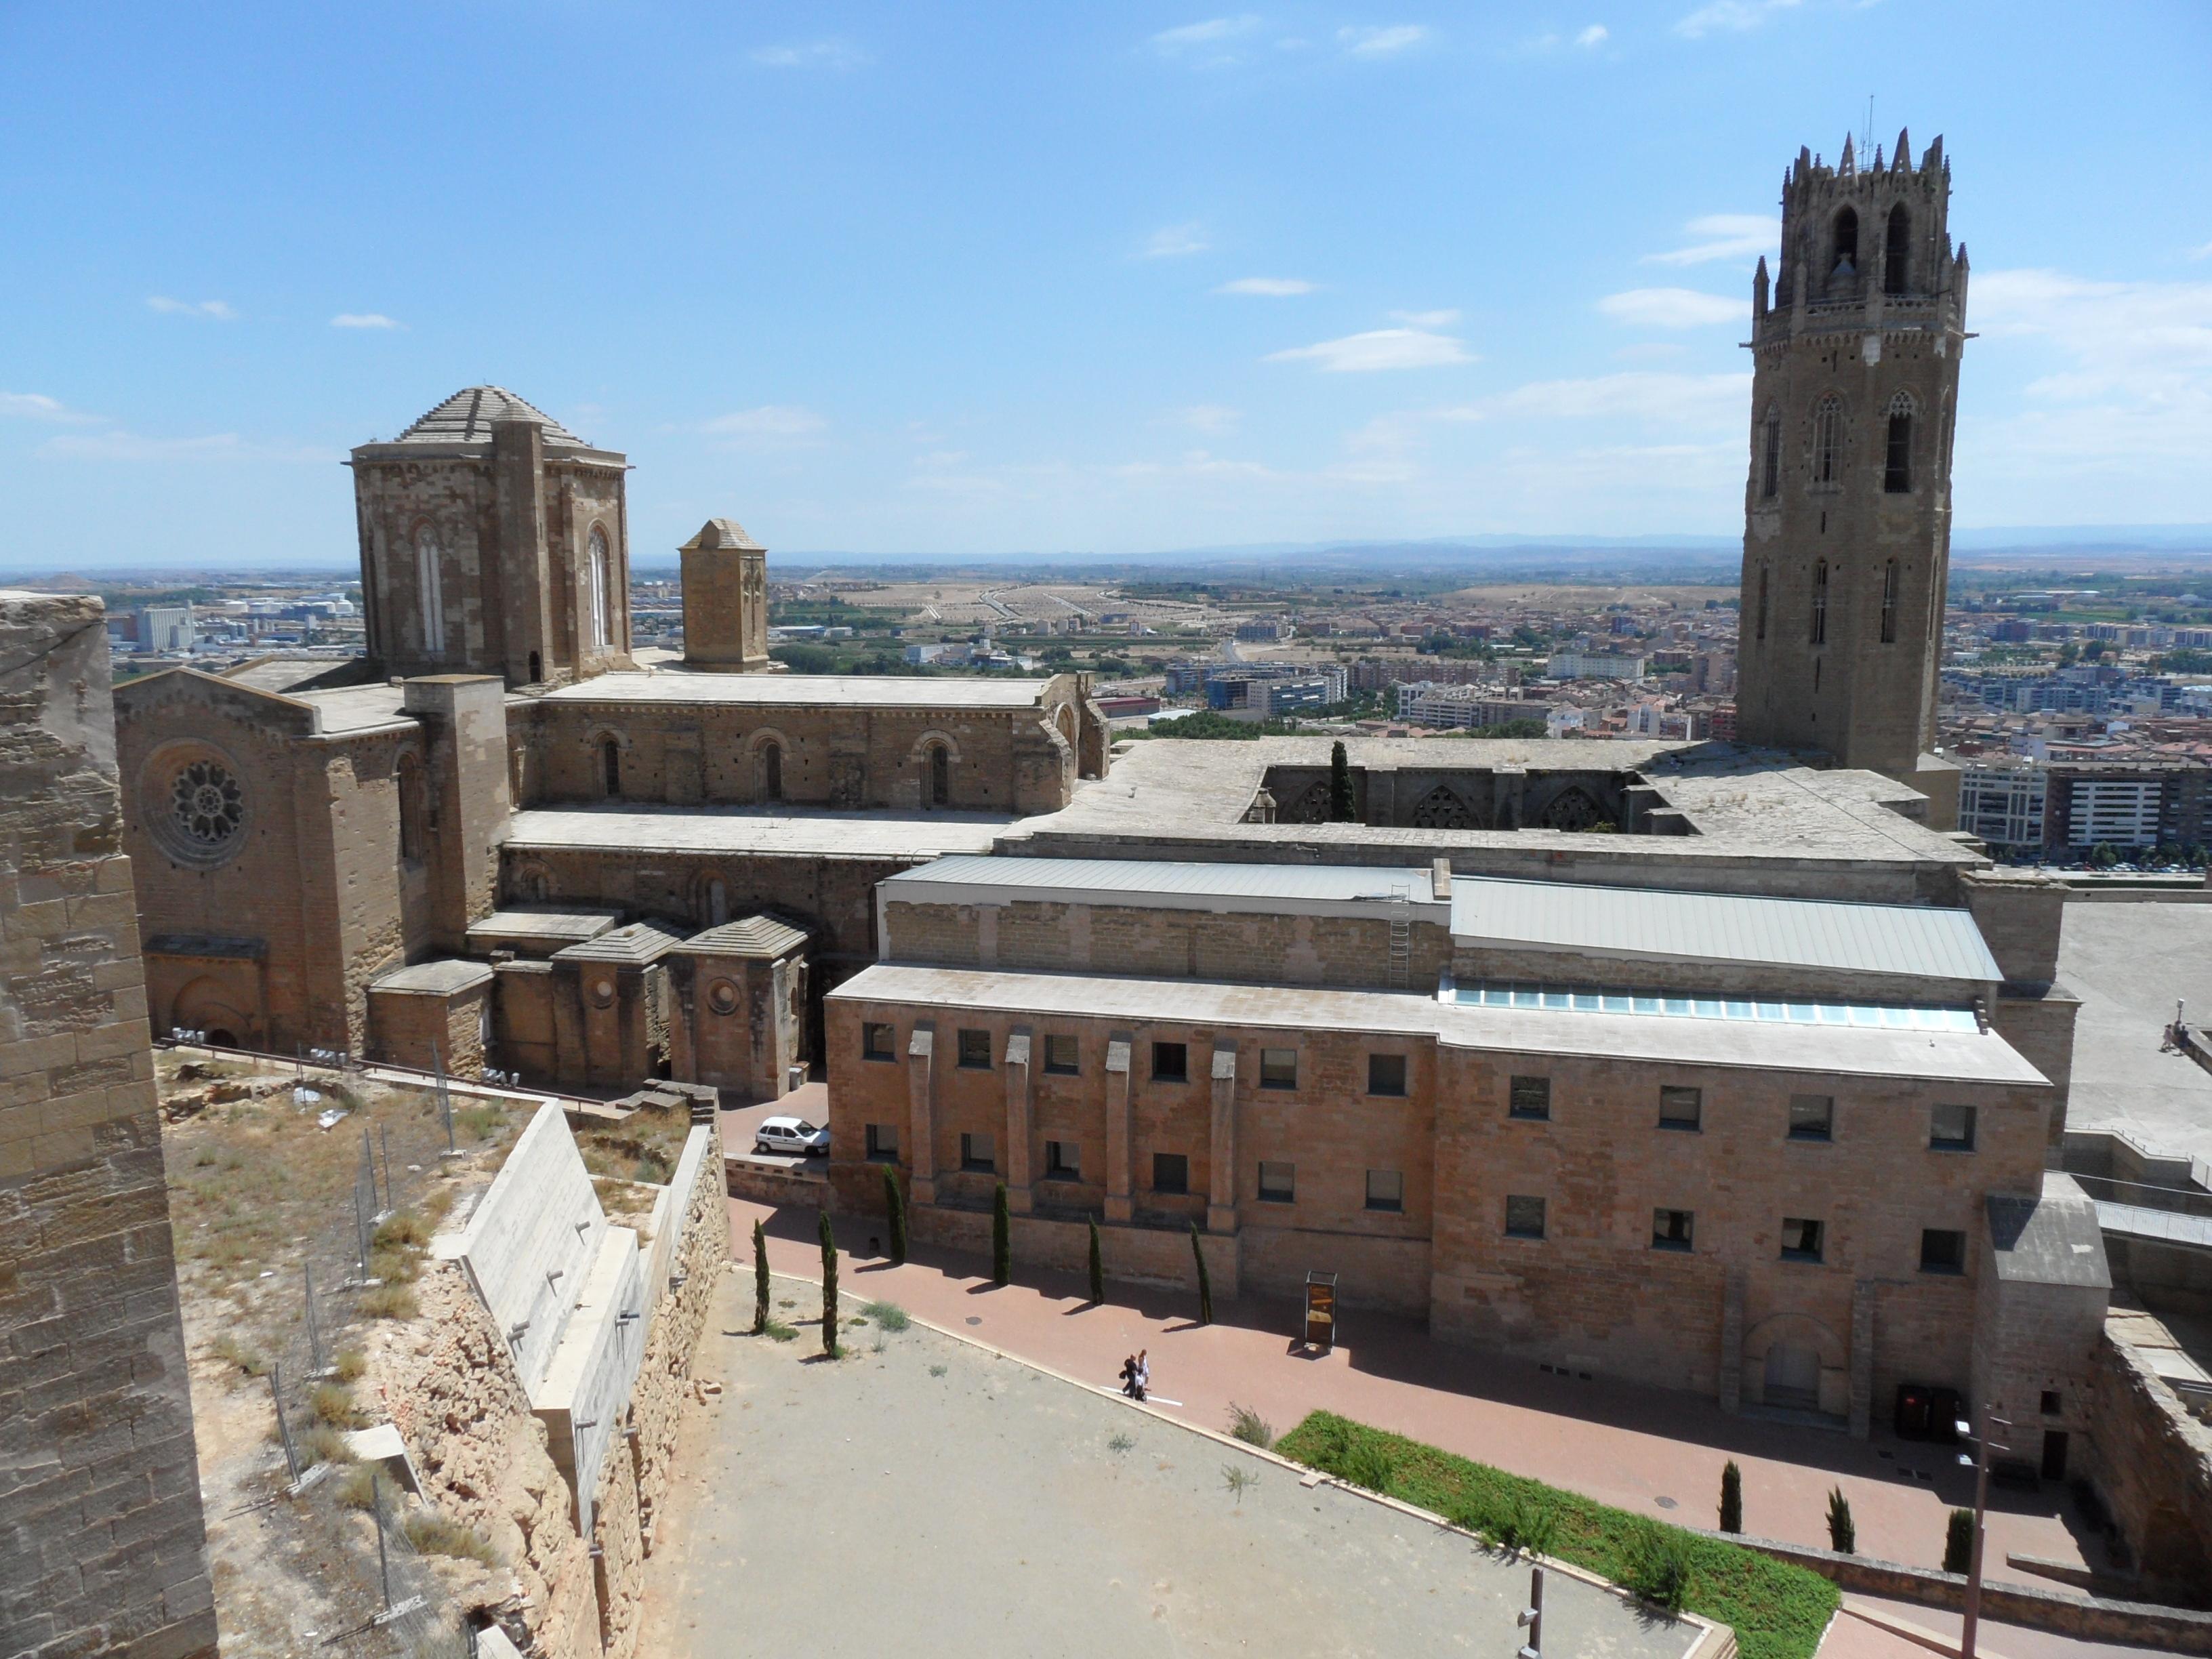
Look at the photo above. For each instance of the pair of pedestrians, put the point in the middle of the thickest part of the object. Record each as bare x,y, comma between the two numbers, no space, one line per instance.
1136,1374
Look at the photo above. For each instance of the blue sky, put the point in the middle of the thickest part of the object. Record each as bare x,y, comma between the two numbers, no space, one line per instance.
922,279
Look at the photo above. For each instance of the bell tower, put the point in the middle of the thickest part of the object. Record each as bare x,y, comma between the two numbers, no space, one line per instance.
1847,510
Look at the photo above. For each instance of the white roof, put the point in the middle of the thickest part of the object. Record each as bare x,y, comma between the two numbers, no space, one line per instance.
912,838
1915,941
1273,889
799,690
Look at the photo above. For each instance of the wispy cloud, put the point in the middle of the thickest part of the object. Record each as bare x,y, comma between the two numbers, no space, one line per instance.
829,54
1729,17
1635,394
1672,308
1273,288
118,445
364,320
1722,236
1596,35
2205,252
1205,41
1426,319
769,424
1173,242
37,406
218,309
1379,349
1209,417
1381,41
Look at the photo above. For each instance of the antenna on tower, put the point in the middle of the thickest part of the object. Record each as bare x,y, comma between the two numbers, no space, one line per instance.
1866,141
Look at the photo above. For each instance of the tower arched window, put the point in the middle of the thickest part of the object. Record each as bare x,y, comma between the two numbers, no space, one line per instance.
1844,260
1819,631
1762,601
429,593
1828,439
771,770
598,598
941,775
1890,581
1897,252
715,902
1897,456
611,768
1770,460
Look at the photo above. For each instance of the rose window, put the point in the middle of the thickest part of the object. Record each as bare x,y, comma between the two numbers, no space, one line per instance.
206,804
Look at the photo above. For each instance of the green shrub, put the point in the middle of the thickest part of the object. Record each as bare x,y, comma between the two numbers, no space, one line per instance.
1659,1567
1248,1425
319,1443
1002,1238
1778,1611
1843,1536
433,1535
389,1302
895,1212
1098,1266
888,1315
760,1278
404,1227
332,1403
1731,1497
350,1365
1204,1279
1959,1542
478,1122
232,1352
777,1331
829,1236
1369,1465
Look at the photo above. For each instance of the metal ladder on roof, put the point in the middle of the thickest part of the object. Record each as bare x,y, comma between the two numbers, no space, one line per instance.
1399,968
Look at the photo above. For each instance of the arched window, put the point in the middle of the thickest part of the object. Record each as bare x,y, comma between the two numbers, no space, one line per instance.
941,775
596,598
716,902
429,593
611,768
1897,252
1821,602
1762,601
1889,582
1896,461
1828,439
412,809
1845,261
771,770
1770,462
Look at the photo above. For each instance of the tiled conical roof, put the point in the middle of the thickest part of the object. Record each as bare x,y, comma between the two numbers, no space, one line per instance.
466,417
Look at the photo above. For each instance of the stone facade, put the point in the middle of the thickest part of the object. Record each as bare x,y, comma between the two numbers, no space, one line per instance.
725,600
1847,505
101,1545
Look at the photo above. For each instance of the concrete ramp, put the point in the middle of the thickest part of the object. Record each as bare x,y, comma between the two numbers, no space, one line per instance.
587,1385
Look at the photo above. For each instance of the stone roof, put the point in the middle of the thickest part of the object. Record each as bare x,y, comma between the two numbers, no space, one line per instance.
751,936
635,945
442,977
466,417
2053,1238
717,534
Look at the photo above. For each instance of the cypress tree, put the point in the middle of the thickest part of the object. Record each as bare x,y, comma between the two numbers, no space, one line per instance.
1002,1240
1205,1280
760,1278
1731,1497
1959,1542
1843,1535
1098,1266
895,1206
1341,803
829,1287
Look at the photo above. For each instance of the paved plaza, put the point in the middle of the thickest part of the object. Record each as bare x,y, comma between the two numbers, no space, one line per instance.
2128,963
929,1496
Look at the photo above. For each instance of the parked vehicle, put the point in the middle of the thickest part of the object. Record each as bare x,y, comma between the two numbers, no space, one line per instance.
795,1135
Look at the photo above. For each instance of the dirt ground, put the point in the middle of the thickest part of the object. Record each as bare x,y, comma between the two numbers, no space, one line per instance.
925,1495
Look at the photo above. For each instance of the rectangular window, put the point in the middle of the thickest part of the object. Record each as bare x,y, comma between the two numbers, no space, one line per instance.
1386,1074
1524,1218
1943,1250
1812,1117
1278,1068
975,1049
1063,1161
1800,1239
878,1041
2051,1402
1951,1128
1672,1230
1278,1182
1771,470
1897,462
1681,1109
1059,1055
1170,1062
1530,1097
1170,1172
883,1143
977,1152
1386,1189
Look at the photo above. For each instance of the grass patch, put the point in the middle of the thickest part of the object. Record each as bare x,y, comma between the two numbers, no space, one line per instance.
780,1331
351,1365
321,1443
478,1122
937,1370
232,1352
357,1481
1778,1611
432,1533
1248,1425
332,1403
389,1302
888,1315
1120,1443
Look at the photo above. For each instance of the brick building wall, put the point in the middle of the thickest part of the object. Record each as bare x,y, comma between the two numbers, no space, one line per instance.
102,1546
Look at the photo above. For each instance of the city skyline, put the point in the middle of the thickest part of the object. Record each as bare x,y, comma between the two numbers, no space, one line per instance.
1106,283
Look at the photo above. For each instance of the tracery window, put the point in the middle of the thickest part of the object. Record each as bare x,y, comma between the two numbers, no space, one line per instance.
429,591
598,598
206,804
1820,634
1828,439
1897,252
1897,460
1770,470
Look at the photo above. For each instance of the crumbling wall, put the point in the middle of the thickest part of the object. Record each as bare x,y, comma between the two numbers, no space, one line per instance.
2155,1467
700,1249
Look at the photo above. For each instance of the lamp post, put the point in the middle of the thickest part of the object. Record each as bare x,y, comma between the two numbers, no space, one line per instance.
1980,1464
1532,1617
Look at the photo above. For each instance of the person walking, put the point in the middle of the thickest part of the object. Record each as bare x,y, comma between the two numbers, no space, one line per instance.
1143,1378
1129,1377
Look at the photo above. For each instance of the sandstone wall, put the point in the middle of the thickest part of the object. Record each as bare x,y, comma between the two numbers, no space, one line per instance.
2154,1468
102,1546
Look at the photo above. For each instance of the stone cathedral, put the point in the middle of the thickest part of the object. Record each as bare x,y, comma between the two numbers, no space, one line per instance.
1722,1066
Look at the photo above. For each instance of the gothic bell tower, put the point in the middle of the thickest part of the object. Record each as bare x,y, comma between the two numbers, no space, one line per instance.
1847,510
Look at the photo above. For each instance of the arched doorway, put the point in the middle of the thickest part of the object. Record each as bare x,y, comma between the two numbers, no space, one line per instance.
1793,1378
771,770
611,768
714,902
940,776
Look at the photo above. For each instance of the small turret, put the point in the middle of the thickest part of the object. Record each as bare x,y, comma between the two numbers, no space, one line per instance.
1844,168
1901,157
1758,291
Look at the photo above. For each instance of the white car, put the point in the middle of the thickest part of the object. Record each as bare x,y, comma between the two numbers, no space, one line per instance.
795,1135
